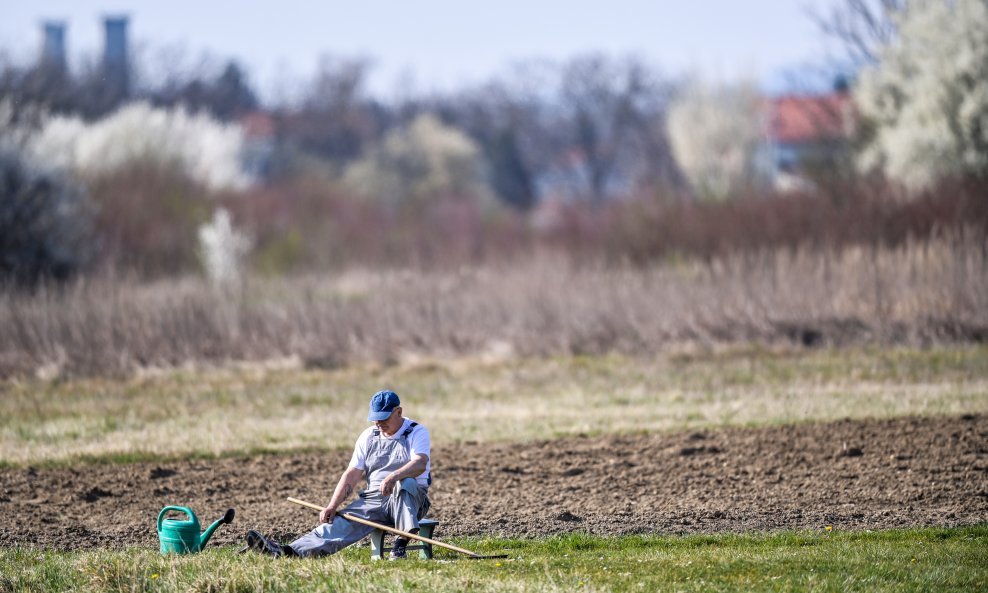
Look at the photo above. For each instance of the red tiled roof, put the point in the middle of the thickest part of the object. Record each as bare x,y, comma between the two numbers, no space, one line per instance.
810,118
257,124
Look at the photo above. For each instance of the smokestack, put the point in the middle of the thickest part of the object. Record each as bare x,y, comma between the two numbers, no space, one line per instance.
115,51
116,69
53,44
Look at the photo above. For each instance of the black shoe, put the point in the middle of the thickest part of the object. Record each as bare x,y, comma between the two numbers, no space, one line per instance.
263,545
398,552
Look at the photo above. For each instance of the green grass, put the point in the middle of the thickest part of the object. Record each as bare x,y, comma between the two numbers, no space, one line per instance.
902,560
253,408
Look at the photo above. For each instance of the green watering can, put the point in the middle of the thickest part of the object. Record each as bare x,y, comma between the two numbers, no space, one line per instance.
183,537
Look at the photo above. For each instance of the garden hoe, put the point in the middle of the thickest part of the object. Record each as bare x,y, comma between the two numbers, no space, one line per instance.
350,517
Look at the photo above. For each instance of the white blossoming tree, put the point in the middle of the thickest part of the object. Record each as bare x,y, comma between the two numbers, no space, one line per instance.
424,160
222,249
926,97
715,133
207,150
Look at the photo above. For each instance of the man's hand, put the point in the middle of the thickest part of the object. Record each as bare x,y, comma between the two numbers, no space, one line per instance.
327,514
411,469
388,484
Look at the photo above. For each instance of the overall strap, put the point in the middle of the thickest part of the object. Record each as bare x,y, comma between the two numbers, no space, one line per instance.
404,435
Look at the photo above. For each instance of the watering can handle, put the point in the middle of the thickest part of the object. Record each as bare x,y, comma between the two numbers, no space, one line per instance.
161,515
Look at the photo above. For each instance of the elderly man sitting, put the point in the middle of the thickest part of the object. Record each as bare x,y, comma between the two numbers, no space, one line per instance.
393,456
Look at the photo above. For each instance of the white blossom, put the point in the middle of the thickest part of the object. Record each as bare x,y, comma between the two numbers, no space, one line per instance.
927,95
222,249
207,150
424,160
715,133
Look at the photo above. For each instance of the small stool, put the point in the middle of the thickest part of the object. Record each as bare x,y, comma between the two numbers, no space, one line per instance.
426,527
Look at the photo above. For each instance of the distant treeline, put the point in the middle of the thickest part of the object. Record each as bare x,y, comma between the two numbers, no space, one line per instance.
591,127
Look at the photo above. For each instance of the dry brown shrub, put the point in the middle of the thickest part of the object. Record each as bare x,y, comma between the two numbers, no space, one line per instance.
916,293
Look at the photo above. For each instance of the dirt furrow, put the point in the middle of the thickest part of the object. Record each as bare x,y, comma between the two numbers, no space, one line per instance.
869,474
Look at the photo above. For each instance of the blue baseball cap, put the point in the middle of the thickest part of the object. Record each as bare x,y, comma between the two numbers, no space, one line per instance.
382,404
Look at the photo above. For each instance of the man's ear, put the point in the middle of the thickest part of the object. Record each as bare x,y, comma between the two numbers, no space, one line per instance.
398,409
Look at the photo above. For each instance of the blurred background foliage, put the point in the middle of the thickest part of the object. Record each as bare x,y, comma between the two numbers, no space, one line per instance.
118,166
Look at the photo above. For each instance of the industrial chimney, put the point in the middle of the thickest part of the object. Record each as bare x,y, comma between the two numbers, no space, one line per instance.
116,69
53,44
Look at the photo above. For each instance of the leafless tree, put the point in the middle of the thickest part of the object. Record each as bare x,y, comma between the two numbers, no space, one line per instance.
507,117
860,27
336,118
35,89
169,76
614,109
588,128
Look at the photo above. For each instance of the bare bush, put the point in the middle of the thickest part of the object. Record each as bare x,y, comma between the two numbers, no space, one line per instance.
44,222
860,213
313,224
147,218
917,293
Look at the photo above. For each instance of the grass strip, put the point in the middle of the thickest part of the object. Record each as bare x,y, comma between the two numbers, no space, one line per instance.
927,559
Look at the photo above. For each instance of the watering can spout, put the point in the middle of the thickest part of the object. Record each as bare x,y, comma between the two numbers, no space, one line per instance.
227,518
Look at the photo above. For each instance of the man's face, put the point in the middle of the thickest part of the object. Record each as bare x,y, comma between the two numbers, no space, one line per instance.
392,423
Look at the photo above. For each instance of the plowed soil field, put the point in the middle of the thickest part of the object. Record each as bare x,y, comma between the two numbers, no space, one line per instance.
870,474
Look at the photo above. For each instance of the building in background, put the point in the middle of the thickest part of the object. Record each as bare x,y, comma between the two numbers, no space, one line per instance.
807,135
259,144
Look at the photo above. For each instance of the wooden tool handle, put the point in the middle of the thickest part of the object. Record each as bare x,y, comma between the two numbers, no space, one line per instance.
355,519
306,504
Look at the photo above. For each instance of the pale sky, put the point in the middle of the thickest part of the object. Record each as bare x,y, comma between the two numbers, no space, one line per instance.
439,44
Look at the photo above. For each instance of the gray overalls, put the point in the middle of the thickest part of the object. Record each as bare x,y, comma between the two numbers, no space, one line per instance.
407,503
